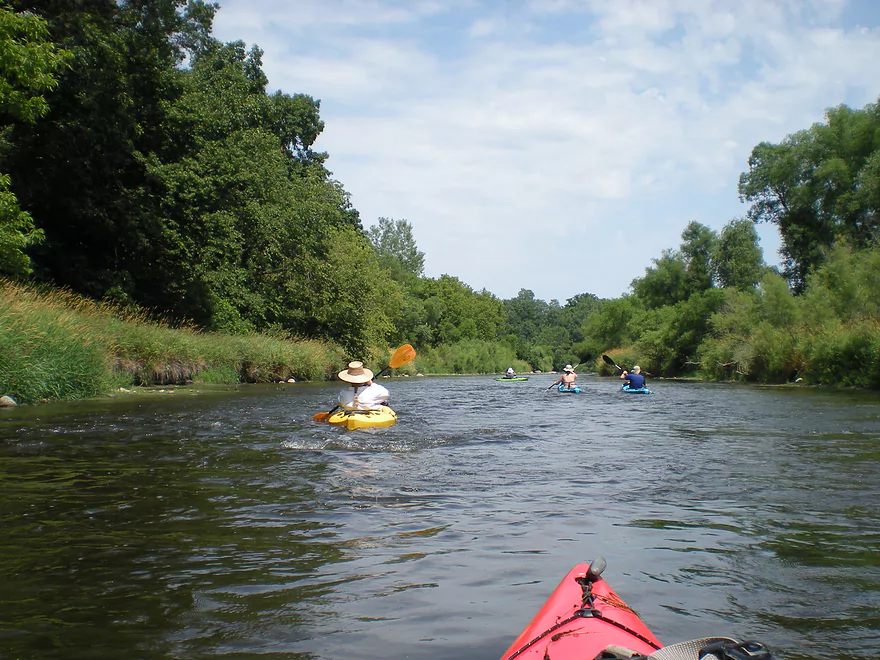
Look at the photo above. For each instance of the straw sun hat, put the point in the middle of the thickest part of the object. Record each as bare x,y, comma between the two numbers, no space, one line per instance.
355,373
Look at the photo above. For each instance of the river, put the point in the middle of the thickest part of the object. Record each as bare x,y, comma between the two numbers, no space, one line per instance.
224,523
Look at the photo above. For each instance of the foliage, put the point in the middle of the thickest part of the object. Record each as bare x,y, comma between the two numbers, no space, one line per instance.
28,62
737,260
830,334
167,180
679,274
614,324
394,243
56,345
471,356
17,233
819,186
671,335
664,283
79,168
354,301
548,335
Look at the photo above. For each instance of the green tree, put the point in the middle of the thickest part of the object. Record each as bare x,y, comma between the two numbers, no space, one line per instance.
616,323
664,283
697,246
246,209
818,186
737,260
679,274
28,64
526,315
394,243
455,312
845,287
354,301
669,337
79,168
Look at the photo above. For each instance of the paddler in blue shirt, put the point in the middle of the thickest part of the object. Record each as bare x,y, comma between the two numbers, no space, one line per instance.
634,378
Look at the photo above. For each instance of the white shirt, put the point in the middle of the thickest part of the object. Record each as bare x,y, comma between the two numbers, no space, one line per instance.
371,397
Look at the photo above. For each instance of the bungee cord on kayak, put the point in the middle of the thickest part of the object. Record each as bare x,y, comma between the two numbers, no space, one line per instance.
596,624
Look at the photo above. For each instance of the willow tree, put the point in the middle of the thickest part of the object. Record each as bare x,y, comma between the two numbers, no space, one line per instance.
819,186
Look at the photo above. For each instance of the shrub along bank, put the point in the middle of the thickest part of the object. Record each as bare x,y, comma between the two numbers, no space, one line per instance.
55,345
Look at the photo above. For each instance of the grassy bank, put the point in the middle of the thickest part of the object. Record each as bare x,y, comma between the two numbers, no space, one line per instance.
54,345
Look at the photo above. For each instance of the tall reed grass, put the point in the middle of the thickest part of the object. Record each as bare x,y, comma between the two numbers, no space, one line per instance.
56,345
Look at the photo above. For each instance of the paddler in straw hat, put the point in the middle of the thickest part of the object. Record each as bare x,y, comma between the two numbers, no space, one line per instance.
363,394
567,378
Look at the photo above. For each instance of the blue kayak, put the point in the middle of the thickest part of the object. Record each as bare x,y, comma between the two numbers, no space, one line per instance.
633,390
568,390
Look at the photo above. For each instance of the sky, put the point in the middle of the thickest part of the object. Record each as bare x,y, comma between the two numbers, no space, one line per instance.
558,145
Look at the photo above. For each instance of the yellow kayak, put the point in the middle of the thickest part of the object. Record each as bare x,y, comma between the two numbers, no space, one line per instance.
364,419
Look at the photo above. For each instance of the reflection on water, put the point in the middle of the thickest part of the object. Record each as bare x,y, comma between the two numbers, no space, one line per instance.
225,524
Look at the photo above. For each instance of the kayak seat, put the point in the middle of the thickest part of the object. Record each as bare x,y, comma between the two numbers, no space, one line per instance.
705,648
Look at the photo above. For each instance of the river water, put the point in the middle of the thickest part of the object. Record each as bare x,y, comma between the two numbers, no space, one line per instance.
226,524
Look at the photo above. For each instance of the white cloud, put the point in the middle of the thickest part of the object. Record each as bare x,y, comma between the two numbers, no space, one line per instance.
527,131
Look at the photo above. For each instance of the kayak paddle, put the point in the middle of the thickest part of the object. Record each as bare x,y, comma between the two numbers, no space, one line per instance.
403,355
608,360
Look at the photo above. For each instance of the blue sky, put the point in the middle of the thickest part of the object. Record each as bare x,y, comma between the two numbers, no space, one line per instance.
558,145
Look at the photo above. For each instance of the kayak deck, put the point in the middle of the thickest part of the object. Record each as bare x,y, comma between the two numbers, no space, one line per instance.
582,617
569,390
515,378
364,419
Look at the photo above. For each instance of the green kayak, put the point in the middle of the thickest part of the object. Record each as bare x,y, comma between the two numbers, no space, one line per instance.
515,378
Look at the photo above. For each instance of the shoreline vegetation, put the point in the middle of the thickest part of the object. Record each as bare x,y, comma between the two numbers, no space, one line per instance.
60,346
56,345
223,250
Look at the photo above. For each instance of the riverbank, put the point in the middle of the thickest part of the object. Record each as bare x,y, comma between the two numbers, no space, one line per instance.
55,345
58,346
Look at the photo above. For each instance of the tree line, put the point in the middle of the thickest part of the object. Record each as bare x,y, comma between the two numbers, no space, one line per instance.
145,163
713,308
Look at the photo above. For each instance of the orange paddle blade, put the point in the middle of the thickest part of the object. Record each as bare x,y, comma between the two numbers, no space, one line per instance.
321,417
403,355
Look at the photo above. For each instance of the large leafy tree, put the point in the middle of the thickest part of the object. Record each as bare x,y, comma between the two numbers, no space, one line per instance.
394,243
79,168
28,66
246,209
679,274
818,186
165,176
526,315
737,260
